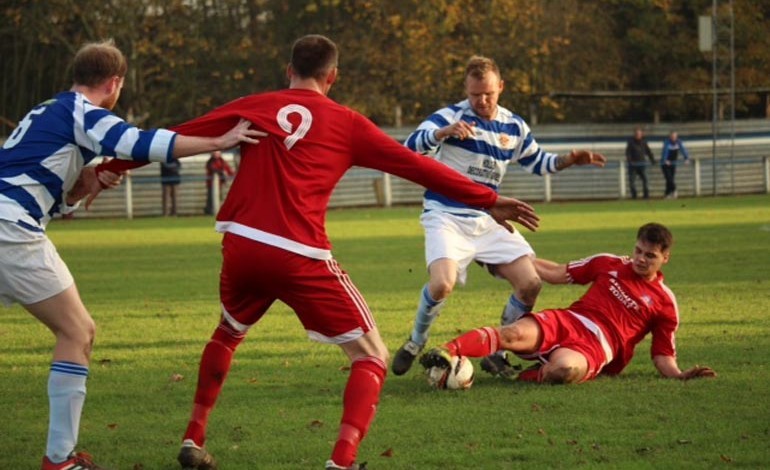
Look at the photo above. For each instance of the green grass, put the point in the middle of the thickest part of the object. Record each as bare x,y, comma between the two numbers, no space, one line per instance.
151,285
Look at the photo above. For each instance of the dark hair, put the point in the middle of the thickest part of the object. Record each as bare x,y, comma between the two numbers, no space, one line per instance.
313,56
656,234
96,62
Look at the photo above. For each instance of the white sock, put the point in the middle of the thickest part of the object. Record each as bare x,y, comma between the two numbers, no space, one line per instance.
66,394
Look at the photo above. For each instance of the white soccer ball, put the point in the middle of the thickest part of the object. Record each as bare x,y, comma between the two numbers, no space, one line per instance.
459,376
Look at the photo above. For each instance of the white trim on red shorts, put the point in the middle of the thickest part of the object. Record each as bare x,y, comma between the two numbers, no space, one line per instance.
597,331
353,292
273,240
339,339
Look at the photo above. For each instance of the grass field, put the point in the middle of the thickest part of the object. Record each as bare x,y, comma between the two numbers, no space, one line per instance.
151,285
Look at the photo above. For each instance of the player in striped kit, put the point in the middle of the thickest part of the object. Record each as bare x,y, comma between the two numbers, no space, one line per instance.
626,300
478,138
43,172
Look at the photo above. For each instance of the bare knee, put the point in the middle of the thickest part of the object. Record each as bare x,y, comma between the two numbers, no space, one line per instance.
565,366
75,341
528,290
84,335
440,289
382,354
511,336
562,374
523,336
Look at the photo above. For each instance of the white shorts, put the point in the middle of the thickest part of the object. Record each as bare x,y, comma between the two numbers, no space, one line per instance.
466,239
30,267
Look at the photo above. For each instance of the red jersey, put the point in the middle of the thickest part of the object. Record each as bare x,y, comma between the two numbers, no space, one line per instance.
625,306
281,191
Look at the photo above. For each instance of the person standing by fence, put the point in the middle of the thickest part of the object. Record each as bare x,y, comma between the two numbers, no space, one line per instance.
672,147
636,149
216,167
169,180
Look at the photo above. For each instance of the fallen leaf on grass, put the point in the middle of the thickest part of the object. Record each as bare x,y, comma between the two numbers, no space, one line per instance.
316,423
112,426
387,453
177,377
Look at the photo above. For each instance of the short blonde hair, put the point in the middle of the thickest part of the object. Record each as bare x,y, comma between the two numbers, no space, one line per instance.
478,66
96,62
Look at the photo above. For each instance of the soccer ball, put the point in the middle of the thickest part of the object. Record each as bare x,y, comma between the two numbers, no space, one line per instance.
459,376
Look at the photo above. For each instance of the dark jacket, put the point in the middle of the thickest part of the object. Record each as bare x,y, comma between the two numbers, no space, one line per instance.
636,150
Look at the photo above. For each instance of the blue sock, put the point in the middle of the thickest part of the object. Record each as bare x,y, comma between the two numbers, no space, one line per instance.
66,394
514,310
427,312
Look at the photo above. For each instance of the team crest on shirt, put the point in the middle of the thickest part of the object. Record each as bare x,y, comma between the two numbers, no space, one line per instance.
506,141
647,300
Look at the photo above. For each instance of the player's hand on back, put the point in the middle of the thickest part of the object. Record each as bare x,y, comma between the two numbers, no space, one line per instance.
240,133
508,209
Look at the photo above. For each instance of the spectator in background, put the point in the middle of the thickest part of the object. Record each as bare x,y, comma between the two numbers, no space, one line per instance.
169,180
636,149
215,166
672,146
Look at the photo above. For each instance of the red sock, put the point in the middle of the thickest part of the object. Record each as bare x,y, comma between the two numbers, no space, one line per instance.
530,375
215,364
480,342
362,393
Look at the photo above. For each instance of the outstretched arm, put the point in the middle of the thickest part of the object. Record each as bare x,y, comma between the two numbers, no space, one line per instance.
668,367
506,209
186,145
580,158
551,271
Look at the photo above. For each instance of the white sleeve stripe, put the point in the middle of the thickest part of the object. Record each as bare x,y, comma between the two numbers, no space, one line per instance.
100,130
160,146
127,141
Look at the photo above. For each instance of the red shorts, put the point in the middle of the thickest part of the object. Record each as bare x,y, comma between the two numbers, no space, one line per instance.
562,329
254,275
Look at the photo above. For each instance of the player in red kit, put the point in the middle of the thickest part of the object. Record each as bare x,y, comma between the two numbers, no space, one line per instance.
275,245
597,334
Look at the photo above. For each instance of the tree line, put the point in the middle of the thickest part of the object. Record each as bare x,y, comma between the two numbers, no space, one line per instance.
400,59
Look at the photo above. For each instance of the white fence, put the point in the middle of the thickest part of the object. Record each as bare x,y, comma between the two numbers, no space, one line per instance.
742,168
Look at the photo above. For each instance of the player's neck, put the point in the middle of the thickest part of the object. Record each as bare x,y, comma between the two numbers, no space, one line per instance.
92,95
308,84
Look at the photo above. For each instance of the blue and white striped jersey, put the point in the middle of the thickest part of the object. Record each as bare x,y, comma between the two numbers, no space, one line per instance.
44,155
484,158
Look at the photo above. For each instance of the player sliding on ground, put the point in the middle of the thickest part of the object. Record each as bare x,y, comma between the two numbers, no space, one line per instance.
597,334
